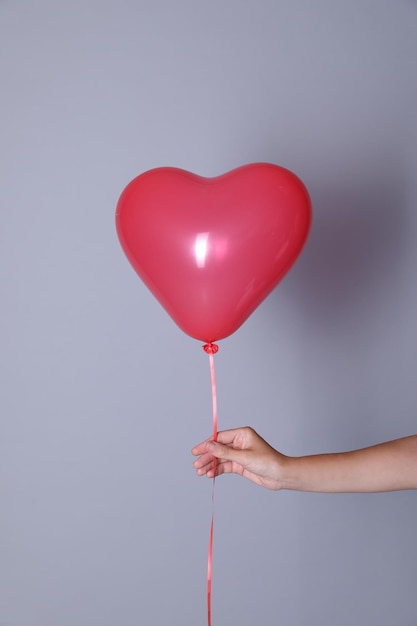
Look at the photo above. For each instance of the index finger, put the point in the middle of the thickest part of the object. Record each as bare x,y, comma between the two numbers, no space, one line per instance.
200,448
223,436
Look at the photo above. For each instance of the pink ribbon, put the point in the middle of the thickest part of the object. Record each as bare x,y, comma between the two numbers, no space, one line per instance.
211,349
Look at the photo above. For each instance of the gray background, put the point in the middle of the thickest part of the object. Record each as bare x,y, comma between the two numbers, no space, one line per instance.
102,518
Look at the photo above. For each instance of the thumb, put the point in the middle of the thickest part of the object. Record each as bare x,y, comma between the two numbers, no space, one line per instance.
227,453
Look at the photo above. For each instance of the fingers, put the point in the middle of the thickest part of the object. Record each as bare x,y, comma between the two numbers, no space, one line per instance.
232,449
204,464
207,468
237,437
209,449
199,448
228,460
202,447
234,456
203,461
230,436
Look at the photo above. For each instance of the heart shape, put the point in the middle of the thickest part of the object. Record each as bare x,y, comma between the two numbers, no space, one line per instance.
211,249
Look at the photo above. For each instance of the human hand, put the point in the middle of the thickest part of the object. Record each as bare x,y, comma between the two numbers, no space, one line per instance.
240,451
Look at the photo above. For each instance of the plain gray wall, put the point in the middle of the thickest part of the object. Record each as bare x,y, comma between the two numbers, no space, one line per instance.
102,518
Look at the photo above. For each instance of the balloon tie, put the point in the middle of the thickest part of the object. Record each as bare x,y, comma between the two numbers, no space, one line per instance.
211,349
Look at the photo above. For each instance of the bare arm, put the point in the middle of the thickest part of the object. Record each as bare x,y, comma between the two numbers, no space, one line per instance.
387,466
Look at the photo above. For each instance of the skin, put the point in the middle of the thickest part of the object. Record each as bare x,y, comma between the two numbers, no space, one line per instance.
388,466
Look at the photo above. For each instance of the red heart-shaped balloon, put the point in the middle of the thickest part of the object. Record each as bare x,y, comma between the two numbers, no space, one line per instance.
211,249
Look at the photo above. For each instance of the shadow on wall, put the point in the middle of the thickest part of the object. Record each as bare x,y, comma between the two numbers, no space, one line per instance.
353,252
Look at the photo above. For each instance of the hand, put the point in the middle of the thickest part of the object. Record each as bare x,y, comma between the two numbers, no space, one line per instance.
387,466
240,451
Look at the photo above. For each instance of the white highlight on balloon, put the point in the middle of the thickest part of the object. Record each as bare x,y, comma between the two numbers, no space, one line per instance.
201,245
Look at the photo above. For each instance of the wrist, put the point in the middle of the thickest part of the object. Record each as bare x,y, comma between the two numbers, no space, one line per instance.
281,471
288,472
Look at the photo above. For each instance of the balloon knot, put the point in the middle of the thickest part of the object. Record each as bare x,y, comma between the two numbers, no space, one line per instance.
211,348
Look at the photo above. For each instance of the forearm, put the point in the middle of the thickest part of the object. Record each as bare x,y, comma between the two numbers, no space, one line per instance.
385,467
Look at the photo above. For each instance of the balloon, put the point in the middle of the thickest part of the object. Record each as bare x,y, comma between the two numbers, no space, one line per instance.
211,249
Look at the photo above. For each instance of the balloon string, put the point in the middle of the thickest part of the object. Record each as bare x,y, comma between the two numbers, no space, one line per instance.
211,350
